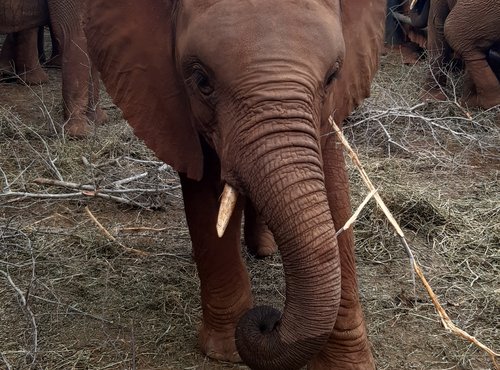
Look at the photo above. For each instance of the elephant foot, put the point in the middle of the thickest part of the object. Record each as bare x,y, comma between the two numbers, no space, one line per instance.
259,239
35,76
348,347
219,345
98,116
343,360
368,364
77,128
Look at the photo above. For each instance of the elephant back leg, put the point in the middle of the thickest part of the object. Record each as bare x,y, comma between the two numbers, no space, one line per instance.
472,42
438,50
76,72
19,56
94,112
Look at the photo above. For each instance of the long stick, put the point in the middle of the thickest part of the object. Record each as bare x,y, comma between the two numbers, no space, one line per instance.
445,319
112,238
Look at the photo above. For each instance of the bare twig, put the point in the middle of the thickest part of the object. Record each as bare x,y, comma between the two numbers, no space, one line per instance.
112,238
5,361
21,195
142,228
355,215
96,191
49,161
446,321
26,308
448,324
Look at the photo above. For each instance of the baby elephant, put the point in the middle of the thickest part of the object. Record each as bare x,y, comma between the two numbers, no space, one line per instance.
470,29
80,83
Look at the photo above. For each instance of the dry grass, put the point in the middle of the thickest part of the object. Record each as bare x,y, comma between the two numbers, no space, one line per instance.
94,305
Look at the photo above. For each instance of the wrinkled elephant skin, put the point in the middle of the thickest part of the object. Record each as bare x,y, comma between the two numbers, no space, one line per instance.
80,83
240,93
469,28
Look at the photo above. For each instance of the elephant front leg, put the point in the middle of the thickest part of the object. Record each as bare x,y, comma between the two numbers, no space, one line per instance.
486,87
225,286
94,111
439,52
348,347
75,82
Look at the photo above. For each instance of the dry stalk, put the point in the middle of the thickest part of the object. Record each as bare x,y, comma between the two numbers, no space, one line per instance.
83,191
24,301
355,215
110,237
91,190
141,228
445,319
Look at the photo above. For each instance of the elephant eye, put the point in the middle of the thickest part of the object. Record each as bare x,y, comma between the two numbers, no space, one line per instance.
332,74
202,81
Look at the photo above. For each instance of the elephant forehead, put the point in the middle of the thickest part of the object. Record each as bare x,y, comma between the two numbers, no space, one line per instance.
249,31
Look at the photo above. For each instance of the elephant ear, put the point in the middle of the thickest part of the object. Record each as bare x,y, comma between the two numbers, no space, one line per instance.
132,44
363,29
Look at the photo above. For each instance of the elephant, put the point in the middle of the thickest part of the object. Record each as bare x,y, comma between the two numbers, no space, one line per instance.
468,29
55,59
236,96
419,14
80,83
402,33
18,55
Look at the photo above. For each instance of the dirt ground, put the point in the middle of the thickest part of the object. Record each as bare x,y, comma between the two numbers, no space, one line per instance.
71,298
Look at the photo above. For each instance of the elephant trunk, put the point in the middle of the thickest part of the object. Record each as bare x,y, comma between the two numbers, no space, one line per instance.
284,179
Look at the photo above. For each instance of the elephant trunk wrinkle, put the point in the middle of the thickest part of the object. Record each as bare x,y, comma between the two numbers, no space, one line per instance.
284,180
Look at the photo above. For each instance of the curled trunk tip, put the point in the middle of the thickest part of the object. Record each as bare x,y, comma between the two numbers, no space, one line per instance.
261,346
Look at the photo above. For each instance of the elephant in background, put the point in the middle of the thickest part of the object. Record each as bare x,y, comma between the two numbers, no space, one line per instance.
55,59
80,82
236,94
469,29
19,55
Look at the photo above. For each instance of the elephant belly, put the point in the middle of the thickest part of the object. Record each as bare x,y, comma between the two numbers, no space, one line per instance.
18,15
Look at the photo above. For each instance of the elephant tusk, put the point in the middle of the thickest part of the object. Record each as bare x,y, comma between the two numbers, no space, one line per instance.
227,204
412,4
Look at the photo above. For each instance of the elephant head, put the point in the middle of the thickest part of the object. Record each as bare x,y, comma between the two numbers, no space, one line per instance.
253,82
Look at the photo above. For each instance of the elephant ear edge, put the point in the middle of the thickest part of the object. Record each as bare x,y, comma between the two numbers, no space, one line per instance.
363,30
132,45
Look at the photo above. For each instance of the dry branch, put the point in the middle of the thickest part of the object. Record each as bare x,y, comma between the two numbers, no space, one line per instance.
23,297
110,237
141,228
84,191
355,215
445,319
